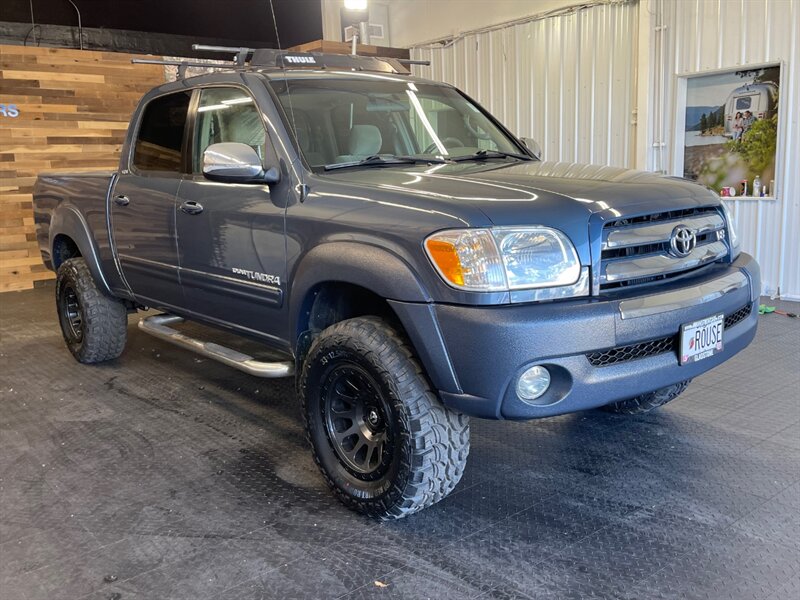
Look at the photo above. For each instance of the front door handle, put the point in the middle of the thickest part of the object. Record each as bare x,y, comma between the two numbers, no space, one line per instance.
122,201
190,207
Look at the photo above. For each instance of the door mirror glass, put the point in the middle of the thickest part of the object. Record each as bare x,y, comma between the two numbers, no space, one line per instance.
236,162
532,145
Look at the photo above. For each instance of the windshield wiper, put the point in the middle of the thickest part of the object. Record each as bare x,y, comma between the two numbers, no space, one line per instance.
378,160
484,154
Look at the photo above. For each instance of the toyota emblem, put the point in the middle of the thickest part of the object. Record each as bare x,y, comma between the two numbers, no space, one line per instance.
682,241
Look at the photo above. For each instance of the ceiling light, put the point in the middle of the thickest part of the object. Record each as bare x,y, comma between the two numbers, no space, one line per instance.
237,101
212,107
355,4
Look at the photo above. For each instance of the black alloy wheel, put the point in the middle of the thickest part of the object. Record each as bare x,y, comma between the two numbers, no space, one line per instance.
383,441
71,313
357,421
94,324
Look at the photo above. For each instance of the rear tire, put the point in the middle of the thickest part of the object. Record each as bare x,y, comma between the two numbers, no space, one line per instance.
648,402
385,444
94,325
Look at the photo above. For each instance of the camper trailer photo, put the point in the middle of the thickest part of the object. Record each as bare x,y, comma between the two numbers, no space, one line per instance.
761,99
731,130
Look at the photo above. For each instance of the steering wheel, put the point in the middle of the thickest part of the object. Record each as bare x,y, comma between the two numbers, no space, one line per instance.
448,141
474,129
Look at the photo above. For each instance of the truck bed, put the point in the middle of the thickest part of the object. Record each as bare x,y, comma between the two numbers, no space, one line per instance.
82,193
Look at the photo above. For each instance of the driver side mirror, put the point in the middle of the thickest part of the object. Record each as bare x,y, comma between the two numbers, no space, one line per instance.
532,145
234,162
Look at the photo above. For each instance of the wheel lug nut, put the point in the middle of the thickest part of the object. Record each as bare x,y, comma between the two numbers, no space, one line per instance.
373,417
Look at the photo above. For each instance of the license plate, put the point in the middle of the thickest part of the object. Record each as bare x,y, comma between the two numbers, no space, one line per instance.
701,339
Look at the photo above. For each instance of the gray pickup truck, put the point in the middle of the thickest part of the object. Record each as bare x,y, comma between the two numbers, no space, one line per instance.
404,255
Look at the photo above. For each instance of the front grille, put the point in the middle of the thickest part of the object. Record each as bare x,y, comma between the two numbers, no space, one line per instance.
636,251
739,316
613,356
620,354
680,213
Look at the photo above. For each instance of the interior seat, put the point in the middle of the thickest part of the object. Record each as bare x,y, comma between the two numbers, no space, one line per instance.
365,140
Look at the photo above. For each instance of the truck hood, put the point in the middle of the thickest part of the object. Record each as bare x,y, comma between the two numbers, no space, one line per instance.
526,192
575,199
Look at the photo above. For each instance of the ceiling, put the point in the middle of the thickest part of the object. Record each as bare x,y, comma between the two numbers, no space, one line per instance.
251,20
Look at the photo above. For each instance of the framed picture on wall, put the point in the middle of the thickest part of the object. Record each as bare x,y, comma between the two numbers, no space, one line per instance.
732,129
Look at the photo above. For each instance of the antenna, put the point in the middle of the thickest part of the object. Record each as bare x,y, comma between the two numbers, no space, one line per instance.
302,188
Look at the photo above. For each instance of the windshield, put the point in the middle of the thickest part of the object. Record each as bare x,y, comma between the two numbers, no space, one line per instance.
347,121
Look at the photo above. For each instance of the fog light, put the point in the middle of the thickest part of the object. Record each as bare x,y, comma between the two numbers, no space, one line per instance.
533,383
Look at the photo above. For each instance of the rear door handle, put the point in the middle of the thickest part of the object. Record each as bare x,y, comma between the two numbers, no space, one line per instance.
122,201
190,207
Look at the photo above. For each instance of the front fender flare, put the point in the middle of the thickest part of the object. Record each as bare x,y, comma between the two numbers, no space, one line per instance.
364,265
388,276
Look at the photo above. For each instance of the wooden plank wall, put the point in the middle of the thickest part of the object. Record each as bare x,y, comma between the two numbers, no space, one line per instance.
74,108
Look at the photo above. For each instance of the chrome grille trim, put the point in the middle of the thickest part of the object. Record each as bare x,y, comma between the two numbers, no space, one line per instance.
641,250
654,304
659,232
623,269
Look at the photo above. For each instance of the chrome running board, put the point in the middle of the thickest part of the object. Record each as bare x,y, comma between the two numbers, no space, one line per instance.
158,326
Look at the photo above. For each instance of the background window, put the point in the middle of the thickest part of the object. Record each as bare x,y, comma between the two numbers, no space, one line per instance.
160,138
227,115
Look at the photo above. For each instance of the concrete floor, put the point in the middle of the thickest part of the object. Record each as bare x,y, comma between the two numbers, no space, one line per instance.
162,475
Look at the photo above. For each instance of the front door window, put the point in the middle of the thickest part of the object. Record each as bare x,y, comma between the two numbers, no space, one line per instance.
227,115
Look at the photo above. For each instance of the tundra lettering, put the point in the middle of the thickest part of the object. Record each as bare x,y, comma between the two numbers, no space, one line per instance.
256,276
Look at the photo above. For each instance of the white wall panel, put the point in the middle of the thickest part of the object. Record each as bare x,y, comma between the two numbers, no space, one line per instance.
416,22
702,35
566,81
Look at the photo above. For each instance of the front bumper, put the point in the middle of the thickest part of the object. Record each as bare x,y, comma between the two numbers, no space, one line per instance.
488,348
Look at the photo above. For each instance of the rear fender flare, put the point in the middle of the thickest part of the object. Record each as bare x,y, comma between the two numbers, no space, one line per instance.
68,221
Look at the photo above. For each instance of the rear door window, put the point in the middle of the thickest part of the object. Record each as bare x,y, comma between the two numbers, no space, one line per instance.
744,103
159,141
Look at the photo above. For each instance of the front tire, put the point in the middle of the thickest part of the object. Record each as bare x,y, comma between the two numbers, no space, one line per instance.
648,402
384,443
94,325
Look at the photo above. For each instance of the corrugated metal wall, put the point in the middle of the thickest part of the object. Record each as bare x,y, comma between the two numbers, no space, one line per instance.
567,81
702,35
570,82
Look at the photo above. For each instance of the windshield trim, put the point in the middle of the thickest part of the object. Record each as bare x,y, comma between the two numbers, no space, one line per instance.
514,139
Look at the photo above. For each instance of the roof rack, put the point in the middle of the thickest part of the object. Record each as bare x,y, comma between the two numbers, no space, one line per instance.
268,58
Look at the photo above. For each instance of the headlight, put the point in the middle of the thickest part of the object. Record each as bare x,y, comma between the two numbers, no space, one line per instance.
504,258
733,239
